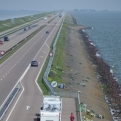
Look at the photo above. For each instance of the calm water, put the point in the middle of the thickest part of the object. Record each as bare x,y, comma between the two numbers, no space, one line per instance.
5,14
106,35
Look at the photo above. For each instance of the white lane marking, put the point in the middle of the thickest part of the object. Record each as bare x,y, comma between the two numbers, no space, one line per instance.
24,45
27,107
21,92
39,74
51,33
23,77
42,66
14,86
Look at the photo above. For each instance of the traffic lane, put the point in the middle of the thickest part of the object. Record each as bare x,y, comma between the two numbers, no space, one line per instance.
29,104
13,59
15,39
17,58
31,100
57,27
11,79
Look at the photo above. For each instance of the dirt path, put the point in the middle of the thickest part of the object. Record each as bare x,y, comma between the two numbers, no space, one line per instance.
80,75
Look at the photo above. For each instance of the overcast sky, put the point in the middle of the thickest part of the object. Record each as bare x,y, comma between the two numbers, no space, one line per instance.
49,5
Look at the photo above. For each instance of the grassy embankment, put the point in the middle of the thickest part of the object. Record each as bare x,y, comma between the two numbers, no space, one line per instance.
7,24
21,44
56,71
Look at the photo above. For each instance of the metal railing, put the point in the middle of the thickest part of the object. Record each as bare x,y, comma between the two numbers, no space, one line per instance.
19,28
8,101
80,113
45,77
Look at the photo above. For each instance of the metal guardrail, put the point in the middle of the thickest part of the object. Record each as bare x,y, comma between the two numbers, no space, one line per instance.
45,77
19,28
80,113
9,100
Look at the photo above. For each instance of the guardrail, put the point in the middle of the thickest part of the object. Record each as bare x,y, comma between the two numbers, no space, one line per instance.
14,46
9,100
19,28
80,113
45,77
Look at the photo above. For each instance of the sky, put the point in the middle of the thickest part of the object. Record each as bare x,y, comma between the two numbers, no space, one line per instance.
50,5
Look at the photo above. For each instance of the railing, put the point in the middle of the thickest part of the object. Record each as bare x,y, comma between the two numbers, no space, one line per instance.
80,113
19,28
8,101
45,77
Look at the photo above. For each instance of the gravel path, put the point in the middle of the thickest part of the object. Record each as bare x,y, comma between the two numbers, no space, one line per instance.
79,75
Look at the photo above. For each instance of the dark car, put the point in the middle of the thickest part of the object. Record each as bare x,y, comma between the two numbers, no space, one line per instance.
6,38
34,63
24,28
47,32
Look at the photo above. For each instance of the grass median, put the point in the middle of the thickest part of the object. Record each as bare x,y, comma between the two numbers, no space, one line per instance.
56,71
8,24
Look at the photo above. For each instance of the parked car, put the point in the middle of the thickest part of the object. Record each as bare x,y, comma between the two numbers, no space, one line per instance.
6,38
47,32
34,63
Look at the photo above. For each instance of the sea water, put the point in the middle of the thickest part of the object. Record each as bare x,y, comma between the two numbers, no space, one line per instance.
10,14
105,35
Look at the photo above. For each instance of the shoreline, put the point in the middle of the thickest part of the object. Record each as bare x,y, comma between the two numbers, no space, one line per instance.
106,78
104,74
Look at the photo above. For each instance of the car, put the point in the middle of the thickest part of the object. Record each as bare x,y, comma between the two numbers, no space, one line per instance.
34,63
1,42
6,38
47,32
24,28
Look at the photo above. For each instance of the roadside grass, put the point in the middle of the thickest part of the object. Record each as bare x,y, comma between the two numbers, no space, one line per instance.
7,24
20,45
68,20
56,72
40,80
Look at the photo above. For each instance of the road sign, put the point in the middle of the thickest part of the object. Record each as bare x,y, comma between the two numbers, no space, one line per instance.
54,84
51,54
2,52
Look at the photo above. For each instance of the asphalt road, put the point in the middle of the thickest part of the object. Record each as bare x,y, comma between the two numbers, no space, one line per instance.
20,35
12,69
30,100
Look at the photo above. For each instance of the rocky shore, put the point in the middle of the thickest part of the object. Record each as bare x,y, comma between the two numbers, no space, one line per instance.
110,86
87,72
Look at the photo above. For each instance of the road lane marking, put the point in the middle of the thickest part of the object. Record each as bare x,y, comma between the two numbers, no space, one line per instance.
24,45
24,75
27,107
21,92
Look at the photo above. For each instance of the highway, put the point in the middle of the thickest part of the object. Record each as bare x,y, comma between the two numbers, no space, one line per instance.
17,68
20,35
